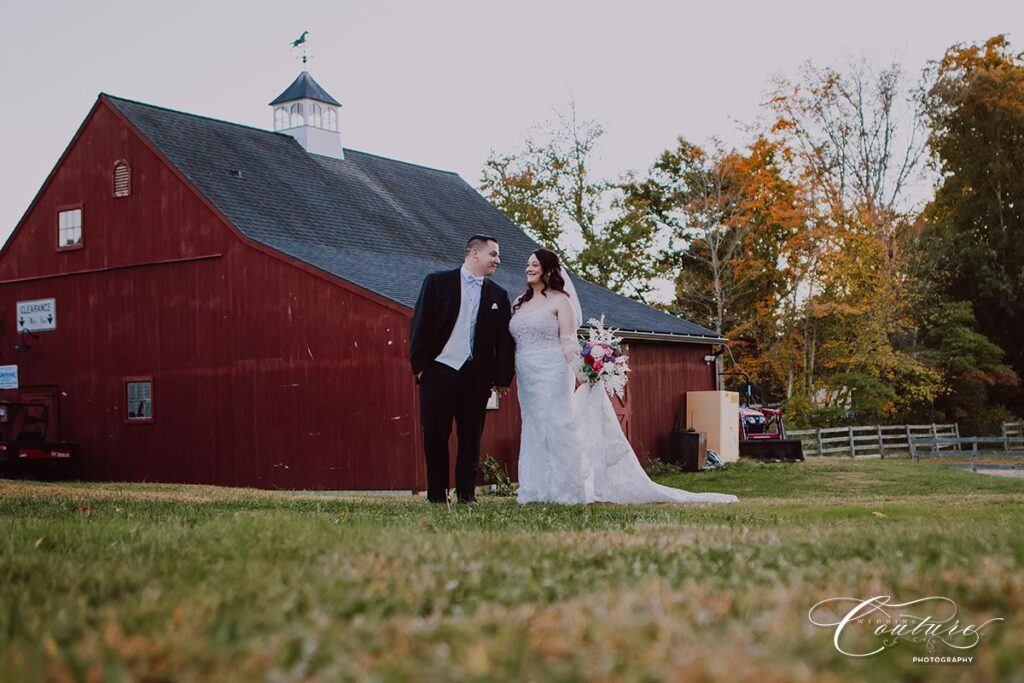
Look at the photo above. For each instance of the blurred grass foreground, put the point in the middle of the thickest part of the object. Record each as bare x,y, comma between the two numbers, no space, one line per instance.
150,582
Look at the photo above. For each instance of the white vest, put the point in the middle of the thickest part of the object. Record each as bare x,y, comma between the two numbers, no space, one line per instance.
459,348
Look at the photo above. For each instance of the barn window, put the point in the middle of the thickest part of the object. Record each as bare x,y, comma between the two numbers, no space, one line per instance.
280,118
139,399
69,228
318,116
332,119
122,179
296,116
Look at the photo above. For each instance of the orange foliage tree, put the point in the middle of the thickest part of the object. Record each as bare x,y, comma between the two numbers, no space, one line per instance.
857,144
728,217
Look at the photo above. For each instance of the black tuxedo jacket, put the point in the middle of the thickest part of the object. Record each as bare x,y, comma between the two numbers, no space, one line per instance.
434,318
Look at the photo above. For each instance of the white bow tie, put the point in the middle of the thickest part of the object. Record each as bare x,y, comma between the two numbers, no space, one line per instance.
473,278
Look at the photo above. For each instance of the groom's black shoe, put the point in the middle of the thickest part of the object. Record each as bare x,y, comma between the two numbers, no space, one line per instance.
467,500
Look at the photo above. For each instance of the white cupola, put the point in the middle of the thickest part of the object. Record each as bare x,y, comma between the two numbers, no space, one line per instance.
307,113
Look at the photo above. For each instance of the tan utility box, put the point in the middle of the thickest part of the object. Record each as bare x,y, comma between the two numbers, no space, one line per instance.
718,414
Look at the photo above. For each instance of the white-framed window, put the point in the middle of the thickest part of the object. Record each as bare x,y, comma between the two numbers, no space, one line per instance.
69,228
280,118
295,116
332,119
139,399
318,116
122,179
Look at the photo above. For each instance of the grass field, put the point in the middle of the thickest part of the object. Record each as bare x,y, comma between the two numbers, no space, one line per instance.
113,582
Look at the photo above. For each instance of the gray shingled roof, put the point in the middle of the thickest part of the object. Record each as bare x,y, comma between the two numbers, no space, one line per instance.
305,87
378,223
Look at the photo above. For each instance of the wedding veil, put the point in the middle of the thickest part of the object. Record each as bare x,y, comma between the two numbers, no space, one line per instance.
570,289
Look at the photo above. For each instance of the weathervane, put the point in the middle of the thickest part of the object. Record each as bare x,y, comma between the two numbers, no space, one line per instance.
300,47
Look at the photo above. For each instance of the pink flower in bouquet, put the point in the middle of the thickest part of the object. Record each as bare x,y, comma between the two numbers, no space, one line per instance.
601,362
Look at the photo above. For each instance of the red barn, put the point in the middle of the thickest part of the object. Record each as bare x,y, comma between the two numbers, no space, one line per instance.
230,305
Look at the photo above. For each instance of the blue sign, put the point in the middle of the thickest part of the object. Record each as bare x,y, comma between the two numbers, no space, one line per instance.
8,376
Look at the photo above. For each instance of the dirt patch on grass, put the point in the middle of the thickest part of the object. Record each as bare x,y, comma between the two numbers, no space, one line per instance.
175,493
659,537
1012,474
171,493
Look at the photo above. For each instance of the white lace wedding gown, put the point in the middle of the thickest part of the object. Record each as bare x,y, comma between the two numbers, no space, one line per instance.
572,448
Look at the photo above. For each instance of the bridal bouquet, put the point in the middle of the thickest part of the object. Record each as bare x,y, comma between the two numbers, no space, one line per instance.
601,361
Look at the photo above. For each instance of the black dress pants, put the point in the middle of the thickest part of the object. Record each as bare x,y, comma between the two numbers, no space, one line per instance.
446,394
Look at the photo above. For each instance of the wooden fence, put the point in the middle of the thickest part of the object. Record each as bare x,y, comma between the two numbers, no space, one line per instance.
972,446
1011,431
876,441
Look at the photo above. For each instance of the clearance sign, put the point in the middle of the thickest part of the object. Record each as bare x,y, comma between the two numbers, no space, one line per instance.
39,315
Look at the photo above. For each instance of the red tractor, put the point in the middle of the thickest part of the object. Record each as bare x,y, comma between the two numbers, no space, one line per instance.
762,432
24,449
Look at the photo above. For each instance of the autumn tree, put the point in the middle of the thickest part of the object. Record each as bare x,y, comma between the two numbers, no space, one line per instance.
857,144
713,215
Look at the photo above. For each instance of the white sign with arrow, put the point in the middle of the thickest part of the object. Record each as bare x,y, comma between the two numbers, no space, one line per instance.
39,315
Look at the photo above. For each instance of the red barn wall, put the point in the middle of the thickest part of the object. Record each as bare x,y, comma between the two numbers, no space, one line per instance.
265,373
660,375
161,220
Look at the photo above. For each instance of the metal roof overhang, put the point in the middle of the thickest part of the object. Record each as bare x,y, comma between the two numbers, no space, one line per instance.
666,336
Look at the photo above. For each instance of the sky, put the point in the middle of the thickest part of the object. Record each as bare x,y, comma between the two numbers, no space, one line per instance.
443,83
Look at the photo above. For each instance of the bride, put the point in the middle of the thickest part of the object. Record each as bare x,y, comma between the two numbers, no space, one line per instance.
572,449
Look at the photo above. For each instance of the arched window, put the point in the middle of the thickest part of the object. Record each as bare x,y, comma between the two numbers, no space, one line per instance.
332,119
296,116
280,118
122,179
318,116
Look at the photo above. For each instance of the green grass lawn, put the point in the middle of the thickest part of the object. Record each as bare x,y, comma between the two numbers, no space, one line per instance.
111,582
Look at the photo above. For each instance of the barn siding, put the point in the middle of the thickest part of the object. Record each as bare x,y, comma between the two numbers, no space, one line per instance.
161,220
660,376
265,373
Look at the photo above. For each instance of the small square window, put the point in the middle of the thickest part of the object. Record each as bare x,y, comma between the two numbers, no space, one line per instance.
69,228
139,400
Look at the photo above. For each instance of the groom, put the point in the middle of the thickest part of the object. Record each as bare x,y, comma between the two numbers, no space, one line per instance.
460,349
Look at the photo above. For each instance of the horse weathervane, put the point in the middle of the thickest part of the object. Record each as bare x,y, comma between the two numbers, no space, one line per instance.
300,47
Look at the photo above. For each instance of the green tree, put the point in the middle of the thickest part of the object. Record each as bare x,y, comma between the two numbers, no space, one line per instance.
524,195
972,365
695,197
974,102
550,189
